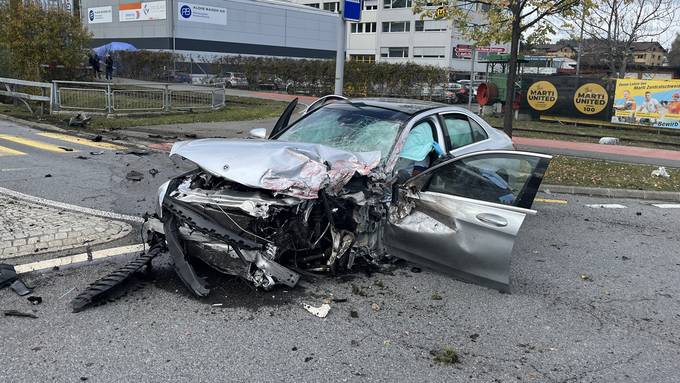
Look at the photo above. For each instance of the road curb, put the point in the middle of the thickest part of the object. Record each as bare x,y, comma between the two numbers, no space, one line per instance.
77,133
613,193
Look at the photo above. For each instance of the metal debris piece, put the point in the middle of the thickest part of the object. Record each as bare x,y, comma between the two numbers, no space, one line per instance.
8,277
17,313
100,290
320,311
96,153
134,175
20,288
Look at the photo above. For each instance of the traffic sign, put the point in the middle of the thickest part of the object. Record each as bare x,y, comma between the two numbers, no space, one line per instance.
352,10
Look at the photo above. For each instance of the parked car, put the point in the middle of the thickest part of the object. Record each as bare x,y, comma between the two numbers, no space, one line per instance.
175,76
271,83
233,80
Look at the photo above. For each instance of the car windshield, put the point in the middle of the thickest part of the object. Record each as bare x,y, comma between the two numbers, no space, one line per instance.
349,126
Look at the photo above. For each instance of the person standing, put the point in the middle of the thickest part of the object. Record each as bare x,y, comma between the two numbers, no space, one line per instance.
109,66
94,63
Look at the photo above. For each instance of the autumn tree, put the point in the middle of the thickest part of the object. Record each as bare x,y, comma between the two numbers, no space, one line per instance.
614,26
36,38
501,21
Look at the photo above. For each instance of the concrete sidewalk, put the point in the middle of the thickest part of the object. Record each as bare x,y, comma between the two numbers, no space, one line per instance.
620,153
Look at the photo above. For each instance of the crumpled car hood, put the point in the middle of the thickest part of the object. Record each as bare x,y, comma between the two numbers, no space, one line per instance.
290,168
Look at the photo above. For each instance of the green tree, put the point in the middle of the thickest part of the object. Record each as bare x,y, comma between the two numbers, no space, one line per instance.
502,21
39,38
674,54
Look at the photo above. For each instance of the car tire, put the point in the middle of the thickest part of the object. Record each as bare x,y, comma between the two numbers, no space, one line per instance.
228,84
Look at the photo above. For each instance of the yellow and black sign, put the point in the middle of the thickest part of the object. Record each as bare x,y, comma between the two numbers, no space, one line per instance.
542,95
591,98
440,13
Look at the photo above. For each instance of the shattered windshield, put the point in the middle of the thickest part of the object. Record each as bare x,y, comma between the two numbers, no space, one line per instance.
351,127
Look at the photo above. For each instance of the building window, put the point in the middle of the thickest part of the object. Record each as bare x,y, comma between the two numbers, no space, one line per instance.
397,4
333,7
368,59
396,26
313,5
394,52
363,27
431,25
429,52
370,5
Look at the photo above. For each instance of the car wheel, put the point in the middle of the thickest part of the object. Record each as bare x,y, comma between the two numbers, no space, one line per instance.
228,84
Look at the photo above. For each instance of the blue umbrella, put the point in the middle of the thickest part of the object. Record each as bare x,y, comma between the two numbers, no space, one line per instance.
114,47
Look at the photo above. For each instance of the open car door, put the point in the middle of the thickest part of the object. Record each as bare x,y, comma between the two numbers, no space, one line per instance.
466,213
284,119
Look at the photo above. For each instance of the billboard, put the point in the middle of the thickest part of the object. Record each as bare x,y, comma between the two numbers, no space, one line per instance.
567,96
201,13
98,15
647,102
154,10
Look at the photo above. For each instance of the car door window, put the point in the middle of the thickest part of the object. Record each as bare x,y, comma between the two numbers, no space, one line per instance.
462,130
499,178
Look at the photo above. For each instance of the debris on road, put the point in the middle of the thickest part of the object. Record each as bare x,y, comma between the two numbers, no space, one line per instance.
609,141
153,172
436,297
97,138
64,148
190,135
81,157
375,307
586,277
17,313
79,120
134,175
9,277
661,172
320,311
416,270
96,153
354,314
35,300
48,175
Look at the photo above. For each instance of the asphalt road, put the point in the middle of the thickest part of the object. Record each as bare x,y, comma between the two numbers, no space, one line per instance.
594,298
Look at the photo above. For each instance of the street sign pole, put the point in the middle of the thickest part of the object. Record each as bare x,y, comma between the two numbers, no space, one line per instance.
350,10
473,56
340,54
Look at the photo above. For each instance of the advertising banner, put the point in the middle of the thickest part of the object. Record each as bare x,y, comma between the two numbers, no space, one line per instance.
98,15
647,102
588,98
201,13
155,10
465,51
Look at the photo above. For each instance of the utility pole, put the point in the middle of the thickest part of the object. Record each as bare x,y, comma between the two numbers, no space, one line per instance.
340,51
473,56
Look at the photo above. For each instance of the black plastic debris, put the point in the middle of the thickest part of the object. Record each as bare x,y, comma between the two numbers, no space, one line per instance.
137,152
82,158
97,138
35,300
17,313
415,269
190,135
79,120
64,148
8,277
134,175
96,153
48,175
153,172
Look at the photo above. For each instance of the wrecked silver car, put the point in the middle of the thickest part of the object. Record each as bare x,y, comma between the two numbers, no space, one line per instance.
351,181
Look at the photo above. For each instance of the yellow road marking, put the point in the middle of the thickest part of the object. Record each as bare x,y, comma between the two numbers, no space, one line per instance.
82,141
35,144
550,200
9,152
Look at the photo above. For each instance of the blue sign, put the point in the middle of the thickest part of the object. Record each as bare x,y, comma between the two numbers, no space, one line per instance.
91,15
352,10
185,11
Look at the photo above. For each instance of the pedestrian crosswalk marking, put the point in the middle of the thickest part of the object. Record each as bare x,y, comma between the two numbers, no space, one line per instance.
607,206
667,205
36,144
9,152
82,141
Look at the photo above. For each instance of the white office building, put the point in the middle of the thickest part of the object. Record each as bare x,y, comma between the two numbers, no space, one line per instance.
390,32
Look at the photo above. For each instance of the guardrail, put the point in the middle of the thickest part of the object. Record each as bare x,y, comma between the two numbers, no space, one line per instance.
24,91
133,98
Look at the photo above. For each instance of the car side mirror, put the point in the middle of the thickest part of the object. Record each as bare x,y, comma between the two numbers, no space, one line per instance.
257,133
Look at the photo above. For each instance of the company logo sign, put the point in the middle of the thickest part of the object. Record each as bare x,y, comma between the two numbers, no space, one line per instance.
185,11
98,15
155,10
198,13
542,95
590,98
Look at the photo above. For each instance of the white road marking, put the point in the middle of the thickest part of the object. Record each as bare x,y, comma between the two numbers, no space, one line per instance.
74,259
67,206
607,206
667,205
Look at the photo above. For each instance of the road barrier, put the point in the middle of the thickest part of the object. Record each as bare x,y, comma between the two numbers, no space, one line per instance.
73,97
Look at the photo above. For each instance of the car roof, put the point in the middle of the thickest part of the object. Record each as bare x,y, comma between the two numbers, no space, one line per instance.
404,105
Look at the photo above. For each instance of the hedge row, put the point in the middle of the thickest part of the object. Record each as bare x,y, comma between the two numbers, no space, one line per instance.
305,76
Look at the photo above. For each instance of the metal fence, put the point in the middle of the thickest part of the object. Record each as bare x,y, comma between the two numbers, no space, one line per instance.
131,98
25,91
